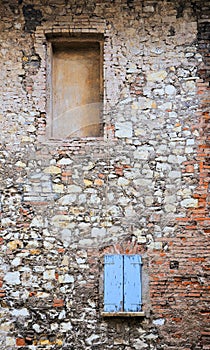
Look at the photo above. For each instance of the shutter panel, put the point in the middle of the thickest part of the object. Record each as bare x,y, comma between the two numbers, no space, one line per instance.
132,283
113,283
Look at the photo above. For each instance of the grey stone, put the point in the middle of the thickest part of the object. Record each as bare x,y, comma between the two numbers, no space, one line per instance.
12,278
20,312
159,322
170,90
67,199
189,203
124,129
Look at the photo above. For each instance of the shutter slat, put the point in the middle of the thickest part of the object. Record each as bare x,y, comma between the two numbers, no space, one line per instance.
132,283
113,283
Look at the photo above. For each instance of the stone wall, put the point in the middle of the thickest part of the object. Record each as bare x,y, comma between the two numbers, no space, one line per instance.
141,188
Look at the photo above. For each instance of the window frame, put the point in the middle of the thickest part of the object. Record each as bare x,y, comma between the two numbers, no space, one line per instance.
80,38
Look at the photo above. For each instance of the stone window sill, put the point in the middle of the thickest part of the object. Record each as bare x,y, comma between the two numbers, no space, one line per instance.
123,314
81,142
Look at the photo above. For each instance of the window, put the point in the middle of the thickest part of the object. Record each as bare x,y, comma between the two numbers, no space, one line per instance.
122,283
76,87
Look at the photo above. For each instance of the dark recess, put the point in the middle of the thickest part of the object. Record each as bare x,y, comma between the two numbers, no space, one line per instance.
33,18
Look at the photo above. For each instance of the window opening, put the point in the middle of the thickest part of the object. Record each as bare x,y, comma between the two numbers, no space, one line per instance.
76,88
122,283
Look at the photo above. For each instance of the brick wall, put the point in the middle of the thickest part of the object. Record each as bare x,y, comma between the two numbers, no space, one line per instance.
142,188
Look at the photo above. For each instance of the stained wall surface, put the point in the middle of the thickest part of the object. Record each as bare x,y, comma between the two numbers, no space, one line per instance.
140,188
75,85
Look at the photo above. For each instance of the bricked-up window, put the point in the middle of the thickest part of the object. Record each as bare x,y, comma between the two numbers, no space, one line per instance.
122,283
76,88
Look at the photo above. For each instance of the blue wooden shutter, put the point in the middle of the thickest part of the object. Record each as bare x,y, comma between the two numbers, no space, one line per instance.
132,283
113,283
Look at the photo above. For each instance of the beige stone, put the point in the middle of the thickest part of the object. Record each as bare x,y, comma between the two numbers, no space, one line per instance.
52,170
157,76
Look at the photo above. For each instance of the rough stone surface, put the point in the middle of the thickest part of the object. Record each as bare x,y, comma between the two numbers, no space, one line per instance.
142,188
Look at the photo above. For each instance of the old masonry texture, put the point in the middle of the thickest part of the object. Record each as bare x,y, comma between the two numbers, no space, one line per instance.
141,188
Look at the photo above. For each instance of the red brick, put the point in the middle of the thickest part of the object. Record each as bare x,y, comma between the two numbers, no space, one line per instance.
58,302
20,342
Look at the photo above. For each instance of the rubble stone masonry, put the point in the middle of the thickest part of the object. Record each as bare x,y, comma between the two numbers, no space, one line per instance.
141,188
